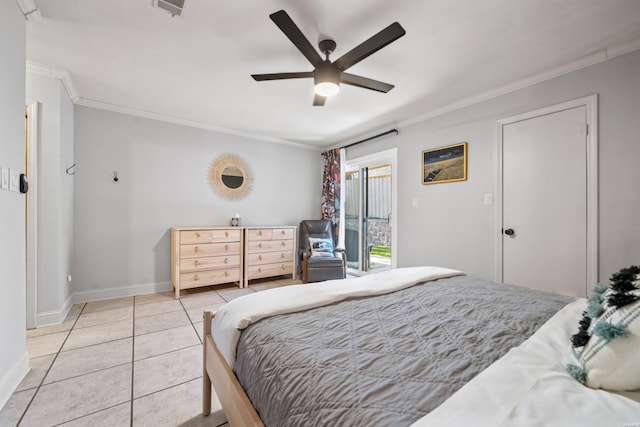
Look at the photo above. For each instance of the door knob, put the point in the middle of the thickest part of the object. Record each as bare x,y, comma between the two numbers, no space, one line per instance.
509,232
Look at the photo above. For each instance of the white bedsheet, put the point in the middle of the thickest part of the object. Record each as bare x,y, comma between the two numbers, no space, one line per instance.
238,314
530,387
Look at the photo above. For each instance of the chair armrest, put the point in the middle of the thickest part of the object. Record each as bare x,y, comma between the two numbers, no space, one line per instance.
303,252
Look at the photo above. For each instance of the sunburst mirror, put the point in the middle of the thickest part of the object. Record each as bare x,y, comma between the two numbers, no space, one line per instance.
230,176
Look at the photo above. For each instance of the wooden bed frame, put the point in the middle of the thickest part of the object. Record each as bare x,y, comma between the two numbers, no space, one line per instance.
236,405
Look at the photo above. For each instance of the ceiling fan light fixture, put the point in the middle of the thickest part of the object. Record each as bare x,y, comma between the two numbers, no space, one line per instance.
326,78
326,89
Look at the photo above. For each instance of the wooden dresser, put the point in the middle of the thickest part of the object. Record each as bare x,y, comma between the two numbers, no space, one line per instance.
203,256
269,251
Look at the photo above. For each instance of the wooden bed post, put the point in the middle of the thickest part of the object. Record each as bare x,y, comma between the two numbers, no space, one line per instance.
206,381
217,373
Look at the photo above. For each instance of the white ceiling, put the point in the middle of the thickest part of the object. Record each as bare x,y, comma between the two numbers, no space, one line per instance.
125,55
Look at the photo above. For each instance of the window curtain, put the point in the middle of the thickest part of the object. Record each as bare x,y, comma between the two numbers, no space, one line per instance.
330,205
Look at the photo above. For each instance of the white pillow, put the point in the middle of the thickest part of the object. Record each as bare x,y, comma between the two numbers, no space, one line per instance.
321,247
607,347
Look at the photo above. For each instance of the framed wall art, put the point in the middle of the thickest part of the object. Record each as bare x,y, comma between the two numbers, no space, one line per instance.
444,164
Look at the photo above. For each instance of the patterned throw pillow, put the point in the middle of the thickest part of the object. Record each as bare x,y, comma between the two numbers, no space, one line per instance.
605,350
321,247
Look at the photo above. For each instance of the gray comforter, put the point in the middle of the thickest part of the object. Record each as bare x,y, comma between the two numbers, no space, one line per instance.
385,360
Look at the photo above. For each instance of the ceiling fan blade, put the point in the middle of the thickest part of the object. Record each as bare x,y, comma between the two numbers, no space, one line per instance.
282,76
318,101
370,46
353,80
291,30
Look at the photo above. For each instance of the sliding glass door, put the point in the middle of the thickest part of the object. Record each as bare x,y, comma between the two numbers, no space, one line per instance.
368,214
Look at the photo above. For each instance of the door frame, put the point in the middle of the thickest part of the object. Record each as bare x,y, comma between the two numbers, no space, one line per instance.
386,156
31,220
591,104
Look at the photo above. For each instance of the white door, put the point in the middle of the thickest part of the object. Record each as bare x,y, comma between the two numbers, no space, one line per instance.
544,196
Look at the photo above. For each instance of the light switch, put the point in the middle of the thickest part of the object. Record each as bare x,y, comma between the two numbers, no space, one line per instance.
14,180
415,202
488,199
4,181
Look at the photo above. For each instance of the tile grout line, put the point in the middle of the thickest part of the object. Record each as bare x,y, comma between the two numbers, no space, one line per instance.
57,353
191,321
133,360
89,414
201,343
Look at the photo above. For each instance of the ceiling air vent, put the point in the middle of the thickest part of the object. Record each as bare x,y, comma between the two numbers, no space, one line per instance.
174,7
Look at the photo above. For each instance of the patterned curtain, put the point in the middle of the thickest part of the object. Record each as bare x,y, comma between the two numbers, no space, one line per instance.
330,206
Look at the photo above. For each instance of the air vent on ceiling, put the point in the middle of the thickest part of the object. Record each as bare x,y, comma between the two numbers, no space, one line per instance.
174,7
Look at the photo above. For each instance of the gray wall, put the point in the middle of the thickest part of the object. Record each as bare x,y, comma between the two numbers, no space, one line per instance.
13,356
121,230
55,196
452,227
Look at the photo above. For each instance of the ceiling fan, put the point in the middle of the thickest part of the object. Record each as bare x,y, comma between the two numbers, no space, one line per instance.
328,75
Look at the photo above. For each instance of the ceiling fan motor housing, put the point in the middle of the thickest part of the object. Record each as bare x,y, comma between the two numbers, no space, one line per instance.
326,72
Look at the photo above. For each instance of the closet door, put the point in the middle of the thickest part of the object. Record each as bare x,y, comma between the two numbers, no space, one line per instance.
544,191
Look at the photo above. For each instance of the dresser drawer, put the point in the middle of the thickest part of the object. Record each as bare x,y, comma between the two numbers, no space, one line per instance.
282,233
209,277
270,234
269,246
209,236
269,257
197,264
209,249
259,233
257,271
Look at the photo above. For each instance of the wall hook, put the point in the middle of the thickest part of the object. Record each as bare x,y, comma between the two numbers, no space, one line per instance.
115,176
69,170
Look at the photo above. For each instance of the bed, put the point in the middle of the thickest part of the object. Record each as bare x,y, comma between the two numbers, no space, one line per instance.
421,346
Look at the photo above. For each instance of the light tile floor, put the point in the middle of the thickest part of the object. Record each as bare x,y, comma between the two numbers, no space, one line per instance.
134,361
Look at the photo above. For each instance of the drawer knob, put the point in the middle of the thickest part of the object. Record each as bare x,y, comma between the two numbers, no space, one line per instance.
259,245
226,247
283,267
283,244
226,234
196,262
281,254
195,249
195,277
260,233
282,232
226,260
226,273
260,257
259,269
197,234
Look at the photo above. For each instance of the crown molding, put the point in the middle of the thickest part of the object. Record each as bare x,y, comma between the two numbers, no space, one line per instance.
65,77
180,121
29,10
623,49
56,73
583,62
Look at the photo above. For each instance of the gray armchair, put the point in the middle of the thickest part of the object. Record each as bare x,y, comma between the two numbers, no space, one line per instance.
315,268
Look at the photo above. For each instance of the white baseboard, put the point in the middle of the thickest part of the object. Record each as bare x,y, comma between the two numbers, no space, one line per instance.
54,317
11,379
150,288
57,316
